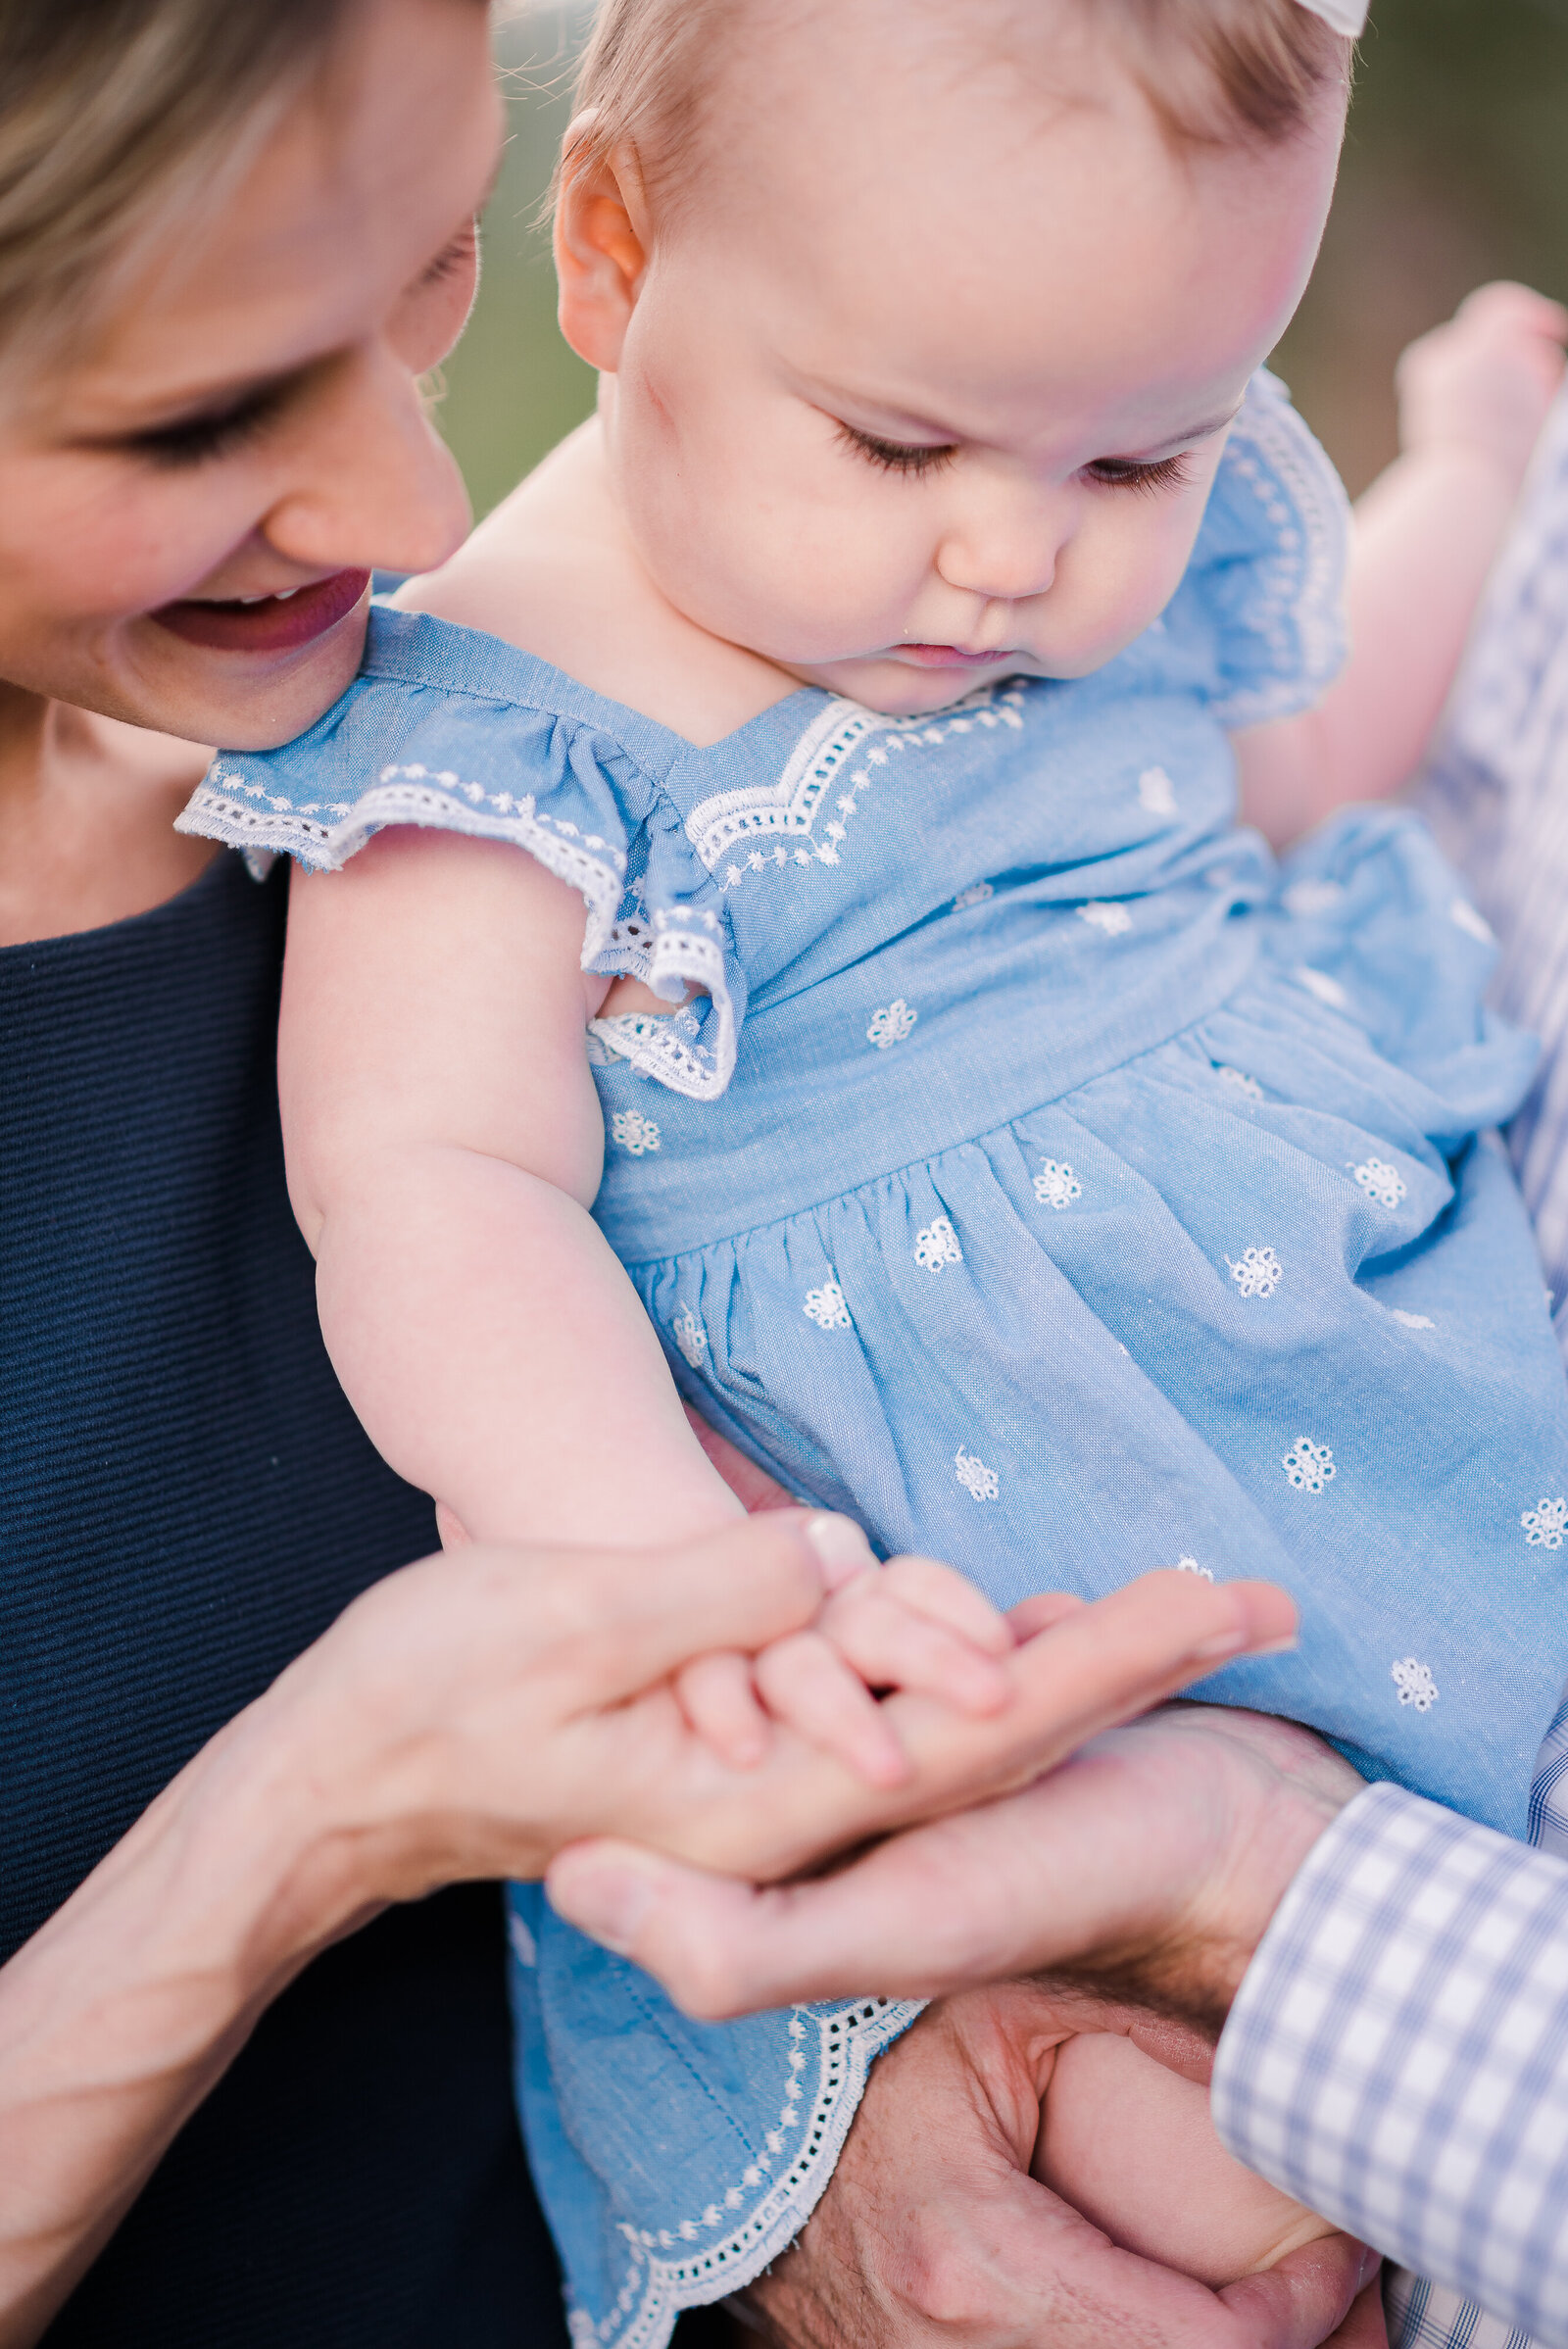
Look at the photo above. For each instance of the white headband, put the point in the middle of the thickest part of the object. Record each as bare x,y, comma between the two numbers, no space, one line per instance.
1346,15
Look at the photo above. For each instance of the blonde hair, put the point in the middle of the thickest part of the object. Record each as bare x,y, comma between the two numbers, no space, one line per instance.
1216,72
112,112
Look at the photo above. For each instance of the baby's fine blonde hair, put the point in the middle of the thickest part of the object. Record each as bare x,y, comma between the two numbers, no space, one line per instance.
1217,73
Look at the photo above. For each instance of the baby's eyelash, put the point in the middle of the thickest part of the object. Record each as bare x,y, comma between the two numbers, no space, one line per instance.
896,456
1125,473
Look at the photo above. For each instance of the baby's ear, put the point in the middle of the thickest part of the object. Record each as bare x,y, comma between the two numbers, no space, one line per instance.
600,243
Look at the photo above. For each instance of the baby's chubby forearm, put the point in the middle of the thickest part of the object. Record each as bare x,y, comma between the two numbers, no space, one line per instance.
1473,396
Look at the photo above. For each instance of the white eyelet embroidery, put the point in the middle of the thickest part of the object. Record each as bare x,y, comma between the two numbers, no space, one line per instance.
1190,1566
937,1245
1111,920
826,1306
1413,1321
634,1132
1379,1181
1259,1272
1464,916
1317,982
1305,899
892,1023
691,1337
976,895
1415,1684
753,825
1309,1466
679,949
977,1480
1156,792
1545,1524
1056,1185
655,2288
1240,1082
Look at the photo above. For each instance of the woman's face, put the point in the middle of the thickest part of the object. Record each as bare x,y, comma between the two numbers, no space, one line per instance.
191,503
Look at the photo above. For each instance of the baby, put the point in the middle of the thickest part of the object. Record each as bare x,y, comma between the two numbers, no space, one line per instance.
987,1136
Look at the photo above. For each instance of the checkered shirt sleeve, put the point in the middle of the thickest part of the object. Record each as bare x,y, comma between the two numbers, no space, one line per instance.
1397,2058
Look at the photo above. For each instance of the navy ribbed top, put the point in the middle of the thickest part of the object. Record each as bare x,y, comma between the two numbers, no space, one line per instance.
186,1501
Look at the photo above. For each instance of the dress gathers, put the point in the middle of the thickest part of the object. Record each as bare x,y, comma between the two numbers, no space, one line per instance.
1046,1178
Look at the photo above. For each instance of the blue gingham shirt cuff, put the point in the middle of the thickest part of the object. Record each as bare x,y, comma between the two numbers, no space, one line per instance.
1397,2053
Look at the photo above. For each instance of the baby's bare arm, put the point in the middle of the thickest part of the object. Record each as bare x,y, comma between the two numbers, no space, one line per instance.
1472,397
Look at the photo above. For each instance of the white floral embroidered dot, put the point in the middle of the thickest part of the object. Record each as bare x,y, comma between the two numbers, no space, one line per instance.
1190,1566
1240,1082
976,895
977,1480
691,1338
826,1306
1413,1321
1317,982
937,1245
633,1132
1381,1181
1415,1683
892,1023
1464,916
1309,1466
1259,1272
1545,1524
1056,1185
1111,920
1156,792
1308,898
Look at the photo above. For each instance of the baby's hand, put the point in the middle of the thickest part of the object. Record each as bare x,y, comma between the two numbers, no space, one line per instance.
911,1624
1484,382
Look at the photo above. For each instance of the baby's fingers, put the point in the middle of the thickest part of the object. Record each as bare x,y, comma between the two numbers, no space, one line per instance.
942,1594
893,1647
718,1697
805,1680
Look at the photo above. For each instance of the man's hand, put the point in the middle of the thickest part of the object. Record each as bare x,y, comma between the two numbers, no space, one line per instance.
933,2231
1145,1870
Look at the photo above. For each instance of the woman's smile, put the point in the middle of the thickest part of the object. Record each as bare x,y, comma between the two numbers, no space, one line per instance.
273,624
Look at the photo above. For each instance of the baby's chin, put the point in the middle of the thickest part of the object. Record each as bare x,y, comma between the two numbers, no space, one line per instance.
898,688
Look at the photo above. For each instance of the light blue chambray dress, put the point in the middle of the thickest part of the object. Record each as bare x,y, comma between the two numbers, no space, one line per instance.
1048,1180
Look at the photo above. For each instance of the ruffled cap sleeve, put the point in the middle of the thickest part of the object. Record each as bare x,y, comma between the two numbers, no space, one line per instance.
433,733
1260,613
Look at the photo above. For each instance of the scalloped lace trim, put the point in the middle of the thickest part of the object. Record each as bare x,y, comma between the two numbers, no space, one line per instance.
657,2289
1304,582
669,951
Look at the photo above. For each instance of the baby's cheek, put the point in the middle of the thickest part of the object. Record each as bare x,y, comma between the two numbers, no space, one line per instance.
1131,2146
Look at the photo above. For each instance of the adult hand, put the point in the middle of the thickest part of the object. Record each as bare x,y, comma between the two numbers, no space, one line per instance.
1146,1869
932,2231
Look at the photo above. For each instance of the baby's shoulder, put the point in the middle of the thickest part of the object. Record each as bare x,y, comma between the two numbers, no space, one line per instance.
553,572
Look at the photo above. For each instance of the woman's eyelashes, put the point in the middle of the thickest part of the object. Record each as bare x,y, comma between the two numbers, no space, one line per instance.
198,439
920,457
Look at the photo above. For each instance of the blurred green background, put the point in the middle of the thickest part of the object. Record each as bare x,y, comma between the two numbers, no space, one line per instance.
1455,170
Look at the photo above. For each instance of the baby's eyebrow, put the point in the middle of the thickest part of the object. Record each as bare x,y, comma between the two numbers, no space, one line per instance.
1179,440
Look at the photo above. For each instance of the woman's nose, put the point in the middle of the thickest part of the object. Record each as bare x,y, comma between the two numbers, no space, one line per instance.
378,487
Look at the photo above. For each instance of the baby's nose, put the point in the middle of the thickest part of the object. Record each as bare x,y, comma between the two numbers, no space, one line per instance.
1002,568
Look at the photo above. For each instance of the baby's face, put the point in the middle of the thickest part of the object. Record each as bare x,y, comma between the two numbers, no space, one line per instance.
928,382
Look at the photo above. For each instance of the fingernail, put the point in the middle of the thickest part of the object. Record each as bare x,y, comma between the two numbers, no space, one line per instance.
1223,1644
842,1547
608,1904
1371,2261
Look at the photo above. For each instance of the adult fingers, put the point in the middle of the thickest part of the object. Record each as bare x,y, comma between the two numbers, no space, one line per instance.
1309,2298
630,1618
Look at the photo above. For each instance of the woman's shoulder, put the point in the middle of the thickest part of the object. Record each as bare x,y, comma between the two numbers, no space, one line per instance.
1261,608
